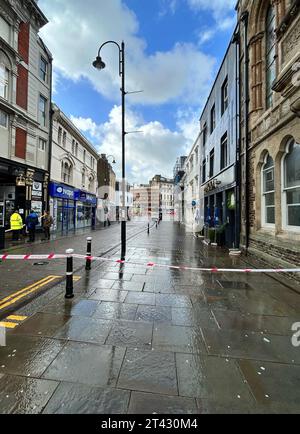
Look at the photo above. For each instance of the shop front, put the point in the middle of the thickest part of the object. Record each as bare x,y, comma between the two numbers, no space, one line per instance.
86,205
71,208
22,188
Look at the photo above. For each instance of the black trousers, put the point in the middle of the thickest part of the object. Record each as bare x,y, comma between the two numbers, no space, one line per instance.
15,235
47,233
31,235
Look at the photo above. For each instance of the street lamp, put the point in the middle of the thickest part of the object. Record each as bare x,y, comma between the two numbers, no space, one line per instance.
99,64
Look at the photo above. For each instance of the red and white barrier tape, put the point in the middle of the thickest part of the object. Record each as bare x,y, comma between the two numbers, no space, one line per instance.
53,256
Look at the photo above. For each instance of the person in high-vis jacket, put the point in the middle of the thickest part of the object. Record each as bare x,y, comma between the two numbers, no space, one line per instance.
16,225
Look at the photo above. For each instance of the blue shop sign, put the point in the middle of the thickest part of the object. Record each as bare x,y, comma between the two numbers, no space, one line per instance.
61,191
83,196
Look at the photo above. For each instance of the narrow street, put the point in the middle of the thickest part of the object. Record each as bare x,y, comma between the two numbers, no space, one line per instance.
143,339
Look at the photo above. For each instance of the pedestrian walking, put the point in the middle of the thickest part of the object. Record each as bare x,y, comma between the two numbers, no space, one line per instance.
16,225
48,221
32,221
106,210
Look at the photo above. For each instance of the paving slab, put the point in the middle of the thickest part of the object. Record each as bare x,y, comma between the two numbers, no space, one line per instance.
87,364
70,398
151,403
149,371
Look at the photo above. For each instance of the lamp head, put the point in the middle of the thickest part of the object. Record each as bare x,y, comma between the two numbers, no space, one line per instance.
98,63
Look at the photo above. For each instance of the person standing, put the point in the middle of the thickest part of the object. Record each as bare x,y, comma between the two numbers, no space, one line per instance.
16,225
32,221
106,210
47,223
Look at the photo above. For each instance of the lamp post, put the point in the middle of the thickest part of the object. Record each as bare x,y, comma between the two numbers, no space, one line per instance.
99,64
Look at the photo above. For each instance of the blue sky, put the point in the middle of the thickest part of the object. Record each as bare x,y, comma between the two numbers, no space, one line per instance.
173,51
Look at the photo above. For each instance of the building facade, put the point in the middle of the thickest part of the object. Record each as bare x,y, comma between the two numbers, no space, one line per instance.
270,129
178,174
145,201
219,143
191,185
25,124
73,185
165,186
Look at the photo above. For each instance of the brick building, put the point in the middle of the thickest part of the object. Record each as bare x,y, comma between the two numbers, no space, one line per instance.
25,95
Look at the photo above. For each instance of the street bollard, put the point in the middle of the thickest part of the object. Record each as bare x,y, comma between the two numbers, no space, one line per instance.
148,228
69,274
88,264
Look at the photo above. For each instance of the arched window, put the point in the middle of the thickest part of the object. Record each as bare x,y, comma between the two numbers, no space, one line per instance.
291,188
66,172
270,54
268,192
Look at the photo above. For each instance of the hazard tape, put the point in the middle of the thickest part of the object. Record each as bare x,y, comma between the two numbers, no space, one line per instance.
53,256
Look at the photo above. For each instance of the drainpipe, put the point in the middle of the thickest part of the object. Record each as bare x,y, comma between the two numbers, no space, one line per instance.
50,134
237,40
245,19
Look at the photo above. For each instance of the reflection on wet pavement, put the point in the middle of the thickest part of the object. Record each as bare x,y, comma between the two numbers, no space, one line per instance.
152,340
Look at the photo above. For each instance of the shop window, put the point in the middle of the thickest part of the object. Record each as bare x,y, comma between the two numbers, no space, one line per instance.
268,192
291,168
270,54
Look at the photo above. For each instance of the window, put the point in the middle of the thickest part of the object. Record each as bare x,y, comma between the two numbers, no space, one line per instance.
224,103
196,155
83,178
270,54
292,185
59,136
43,68
66,172
203,171
204,134
4,29
3,119
224,152
84,155
64,139
211,163
73,147
76,150
42,110
42,144
4,79
213,118
268,192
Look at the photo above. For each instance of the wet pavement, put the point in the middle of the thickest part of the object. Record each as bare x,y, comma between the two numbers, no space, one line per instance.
138,339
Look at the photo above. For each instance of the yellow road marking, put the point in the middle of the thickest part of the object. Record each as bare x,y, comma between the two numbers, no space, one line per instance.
76,278
8,325
27,291
17,318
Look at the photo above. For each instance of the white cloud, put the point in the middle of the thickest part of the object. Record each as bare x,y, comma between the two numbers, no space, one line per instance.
77,28
154,151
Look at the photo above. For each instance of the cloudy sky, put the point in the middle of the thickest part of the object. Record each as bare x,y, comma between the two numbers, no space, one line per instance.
173,51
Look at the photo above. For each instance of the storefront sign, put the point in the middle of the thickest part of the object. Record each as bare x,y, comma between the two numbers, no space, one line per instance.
37,189
62,191
83,196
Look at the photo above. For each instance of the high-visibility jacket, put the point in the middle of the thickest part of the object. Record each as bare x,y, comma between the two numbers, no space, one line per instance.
16,222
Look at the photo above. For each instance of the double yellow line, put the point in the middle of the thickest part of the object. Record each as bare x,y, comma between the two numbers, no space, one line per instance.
13,298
